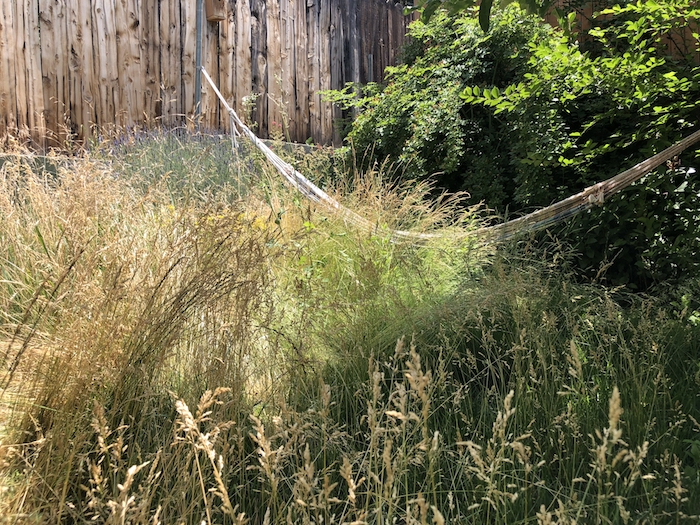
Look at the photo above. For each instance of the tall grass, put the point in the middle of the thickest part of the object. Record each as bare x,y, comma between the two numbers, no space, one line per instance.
180,351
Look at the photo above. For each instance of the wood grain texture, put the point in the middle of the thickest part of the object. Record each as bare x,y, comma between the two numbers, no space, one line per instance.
274,66
227,57
7,99
300,111
258,26
338,31
75,112
324,57
107,65
35,118
87,69
211,109
20,77
288,69
71,67
314,68
243,85
49,65
61,45
188,15
145,22
21,69
246,67
132,79
171,100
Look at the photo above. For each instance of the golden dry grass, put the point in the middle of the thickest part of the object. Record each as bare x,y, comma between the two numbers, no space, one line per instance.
196,359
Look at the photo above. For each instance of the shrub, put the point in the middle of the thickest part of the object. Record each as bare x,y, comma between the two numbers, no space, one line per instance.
419,120
538,120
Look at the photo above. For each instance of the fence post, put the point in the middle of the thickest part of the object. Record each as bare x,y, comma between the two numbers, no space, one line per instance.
198,65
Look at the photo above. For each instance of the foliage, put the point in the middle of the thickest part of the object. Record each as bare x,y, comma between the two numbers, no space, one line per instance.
419,120
609,109
429,7
539,120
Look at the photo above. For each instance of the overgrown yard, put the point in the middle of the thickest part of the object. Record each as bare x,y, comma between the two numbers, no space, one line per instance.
184,340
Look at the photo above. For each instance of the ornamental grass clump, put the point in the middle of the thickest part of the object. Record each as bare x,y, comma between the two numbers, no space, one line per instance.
116,296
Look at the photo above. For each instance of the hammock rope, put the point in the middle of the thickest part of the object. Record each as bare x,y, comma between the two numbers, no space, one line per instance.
541,219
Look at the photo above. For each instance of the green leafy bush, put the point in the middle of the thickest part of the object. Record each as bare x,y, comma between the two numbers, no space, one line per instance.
419,119
538,120
634,94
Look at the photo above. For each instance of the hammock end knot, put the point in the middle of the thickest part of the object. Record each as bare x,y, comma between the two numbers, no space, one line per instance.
597,196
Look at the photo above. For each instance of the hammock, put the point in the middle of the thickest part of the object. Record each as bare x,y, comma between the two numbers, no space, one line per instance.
592,196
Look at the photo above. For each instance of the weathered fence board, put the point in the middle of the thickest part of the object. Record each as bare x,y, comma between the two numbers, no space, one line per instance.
70,67
301,72
6,94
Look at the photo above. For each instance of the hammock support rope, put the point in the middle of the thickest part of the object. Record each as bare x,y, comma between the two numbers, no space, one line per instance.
592,196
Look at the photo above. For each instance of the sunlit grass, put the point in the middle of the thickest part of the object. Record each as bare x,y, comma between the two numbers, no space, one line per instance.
180,349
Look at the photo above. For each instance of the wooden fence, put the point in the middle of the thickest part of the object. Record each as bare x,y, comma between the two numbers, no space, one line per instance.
69,67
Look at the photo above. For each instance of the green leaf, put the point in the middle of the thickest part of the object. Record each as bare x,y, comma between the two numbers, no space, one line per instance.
41,240
671,75
485,15
429,10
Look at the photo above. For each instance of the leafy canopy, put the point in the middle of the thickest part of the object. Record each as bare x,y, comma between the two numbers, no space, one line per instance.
521,117
429,7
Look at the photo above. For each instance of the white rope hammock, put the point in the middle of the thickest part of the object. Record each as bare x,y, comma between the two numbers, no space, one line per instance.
592,196
301,183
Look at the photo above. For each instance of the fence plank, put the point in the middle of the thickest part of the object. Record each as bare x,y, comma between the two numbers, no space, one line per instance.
325,67
189,38
81,69
210,61
121,43
129,80
35,107
150,48
106,51
89,79
7,98
337,38
170,68
314,72
274,66
258,26
353,67
243,51
287,73
49,62
227,57
63,91
74,111
301,72
20,69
